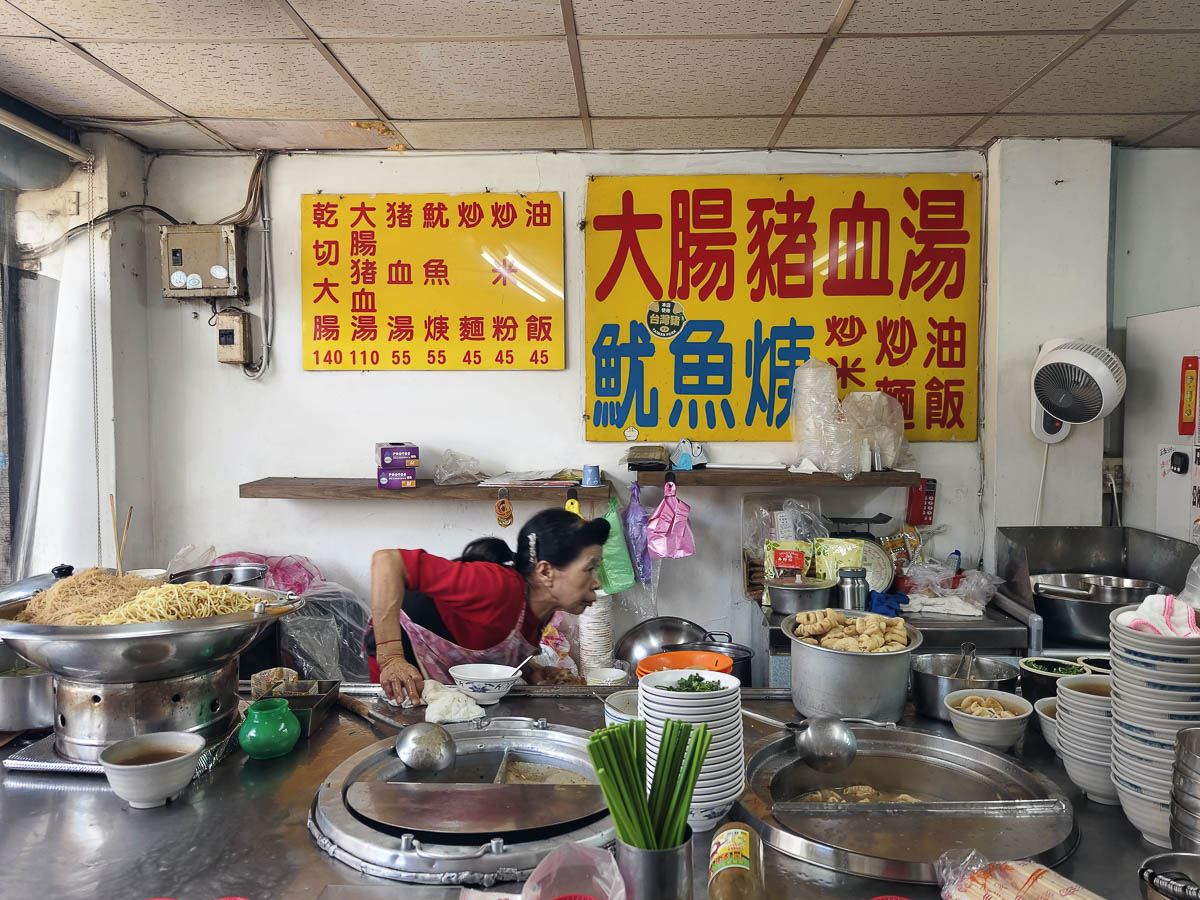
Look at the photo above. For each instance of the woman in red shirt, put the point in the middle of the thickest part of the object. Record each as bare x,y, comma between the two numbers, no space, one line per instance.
488,606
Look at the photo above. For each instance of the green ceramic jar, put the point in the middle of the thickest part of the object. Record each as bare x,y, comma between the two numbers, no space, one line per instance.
271,729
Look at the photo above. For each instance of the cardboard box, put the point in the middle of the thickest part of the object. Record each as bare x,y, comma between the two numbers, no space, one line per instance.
396,478
397,455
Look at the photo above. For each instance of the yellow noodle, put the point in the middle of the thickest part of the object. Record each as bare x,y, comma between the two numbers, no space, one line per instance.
78,599
172,602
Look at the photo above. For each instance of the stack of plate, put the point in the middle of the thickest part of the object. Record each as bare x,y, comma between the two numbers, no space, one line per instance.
723,774
1084,734
1185,792
596,634
1156,692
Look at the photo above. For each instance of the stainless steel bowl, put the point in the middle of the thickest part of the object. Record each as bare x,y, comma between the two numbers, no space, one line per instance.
788,597
26,701
1185,863
932,680
649,637
1067,619
722,642
850,685
116,654
235,574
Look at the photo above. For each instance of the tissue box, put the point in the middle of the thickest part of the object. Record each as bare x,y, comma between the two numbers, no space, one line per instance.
397,478
397,456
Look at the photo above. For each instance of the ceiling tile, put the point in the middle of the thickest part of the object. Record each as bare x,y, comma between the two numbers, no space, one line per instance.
1121,73
464,79
693,77
48,75
1185,134
704,16
422,18
12,23
925,75
1162,15
137,19
936,16
174,135
495,134
302,134
671,134
280,79
1122,129
874,131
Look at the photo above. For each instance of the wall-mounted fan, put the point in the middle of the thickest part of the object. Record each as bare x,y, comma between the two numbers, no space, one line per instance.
1074,382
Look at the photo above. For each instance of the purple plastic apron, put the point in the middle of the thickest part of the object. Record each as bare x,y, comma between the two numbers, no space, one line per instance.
435,655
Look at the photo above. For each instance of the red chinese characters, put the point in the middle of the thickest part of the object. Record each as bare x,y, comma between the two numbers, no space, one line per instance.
503,214
469,214
363,213
399,272
897,340
362,243
941,258
702,243
437,328
845,331
326,328
504,328
364,328
628,223
400,328
858,251
948,344
781,249
326,290
435,215
470,328
362,302
848,372
399,215
437,272
537,328
325,253
904,390
537,214
362,271
944,403
503,270
325,214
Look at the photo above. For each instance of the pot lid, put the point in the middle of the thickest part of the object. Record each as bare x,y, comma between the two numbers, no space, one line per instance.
27,587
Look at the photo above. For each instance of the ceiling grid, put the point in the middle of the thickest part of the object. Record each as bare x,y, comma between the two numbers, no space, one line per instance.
608,74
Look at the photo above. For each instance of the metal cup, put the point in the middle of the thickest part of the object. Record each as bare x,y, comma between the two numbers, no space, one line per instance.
657,874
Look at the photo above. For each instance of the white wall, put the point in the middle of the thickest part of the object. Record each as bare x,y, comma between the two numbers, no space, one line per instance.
1047,272
212,429
1156,264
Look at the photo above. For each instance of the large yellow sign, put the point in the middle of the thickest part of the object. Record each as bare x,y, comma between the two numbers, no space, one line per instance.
705,292
432,281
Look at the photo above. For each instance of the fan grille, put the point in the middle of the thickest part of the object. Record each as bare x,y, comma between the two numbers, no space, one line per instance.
1068,393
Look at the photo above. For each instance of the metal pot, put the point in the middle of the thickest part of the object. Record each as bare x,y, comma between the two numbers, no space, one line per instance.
790,597
739,653
850,685
241,574
26,701
932,680
649,637
1075,607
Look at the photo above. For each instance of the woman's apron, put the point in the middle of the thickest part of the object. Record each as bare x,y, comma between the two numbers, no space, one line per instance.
435,655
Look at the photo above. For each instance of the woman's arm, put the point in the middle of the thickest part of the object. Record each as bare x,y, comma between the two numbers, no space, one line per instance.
396,674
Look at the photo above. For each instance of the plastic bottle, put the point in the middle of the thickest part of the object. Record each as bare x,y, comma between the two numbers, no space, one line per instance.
735,864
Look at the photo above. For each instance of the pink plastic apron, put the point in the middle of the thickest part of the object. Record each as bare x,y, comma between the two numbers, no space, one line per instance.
435,655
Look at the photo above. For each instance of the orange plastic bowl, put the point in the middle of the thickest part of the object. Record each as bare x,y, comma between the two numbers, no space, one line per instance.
686,659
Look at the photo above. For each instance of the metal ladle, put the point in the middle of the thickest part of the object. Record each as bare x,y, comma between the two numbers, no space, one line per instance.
823,743
422,746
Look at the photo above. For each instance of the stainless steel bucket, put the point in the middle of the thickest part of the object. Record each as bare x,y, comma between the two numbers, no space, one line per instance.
850,685
657,874
933,678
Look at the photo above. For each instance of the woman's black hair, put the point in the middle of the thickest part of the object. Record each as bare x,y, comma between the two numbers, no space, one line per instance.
556,535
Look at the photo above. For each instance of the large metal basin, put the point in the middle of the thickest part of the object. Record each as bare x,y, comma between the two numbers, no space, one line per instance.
927,765
1070,620
117,654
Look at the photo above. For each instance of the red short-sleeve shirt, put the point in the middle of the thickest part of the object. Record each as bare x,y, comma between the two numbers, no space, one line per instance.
478,601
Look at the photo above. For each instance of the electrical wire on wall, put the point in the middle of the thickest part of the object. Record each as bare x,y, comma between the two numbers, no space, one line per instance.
257,192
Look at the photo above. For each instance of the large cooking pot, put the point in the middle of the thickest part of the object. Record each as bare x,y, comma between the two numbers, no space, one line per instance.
788,597
850,685
1075,607
722,642
933,678
650,637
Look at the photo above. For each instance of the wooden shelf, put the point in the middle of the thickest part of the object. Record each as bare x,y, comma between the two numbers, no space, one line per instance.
776,478
366,489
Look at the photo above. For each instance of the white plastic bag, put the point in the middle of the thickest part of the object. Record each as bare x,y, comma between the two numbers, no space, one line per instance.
190,557
814,403
575,869
1191,591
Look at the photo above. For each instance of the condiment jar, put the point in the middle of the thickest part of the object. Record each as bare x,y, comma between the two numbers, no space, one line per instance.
271,729
852,589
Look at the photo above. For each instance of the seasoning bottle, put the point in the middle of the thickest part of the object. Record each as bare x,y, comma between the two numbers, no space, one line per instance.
735,864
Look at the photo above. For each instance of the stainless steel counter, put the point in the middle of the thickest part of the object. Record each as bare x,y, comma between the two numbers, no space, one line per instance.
240,831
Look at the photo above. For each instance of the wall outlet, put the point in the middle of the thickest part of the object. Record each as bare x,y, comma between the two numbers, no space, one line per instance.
1114,467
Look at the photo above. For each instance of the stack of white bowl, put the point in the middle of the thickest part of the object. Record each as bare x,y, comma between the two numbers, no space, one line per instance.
596,634
1084,734
1156,693
723,774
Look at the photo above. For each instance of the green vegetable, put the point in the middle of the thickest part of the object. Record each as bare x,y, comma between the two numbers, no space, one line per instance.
657,820
1056,668
21,671
694,683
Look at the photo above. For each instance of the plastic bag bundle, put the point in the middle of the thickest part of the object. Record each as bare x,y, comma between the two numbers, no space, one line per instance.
966,875
806,519
814,403
284,573
324,640
1191,591
636,522
669,534
616,568
458,468
880,420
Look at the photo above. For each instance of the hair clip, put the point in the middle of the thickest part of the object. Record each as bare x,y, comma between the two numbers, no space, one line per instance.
532,539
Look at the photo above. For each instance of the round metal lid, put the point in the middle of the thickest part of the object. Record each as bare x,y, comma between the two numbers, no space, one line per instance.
901,842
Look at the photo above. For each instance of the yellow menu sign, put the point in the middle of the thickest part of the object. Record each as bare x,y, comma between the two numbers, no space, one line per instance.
432,281
705,292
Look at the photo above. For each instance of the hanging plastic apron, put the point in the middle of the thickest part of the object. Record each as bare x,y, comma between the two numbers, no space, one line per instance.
435,655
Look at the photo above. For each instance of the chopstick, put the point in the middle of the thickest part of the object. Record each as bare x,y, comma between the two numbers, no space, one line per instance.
124,535
119,537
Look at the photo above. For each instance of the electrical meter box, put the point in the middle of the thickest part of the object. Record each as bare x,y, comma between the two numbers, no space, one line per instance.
201,262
